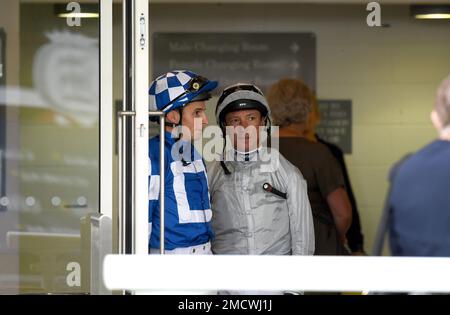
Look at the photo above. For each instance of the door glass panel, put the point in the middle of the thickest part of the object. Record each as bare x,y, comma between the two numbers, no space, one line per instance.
49,145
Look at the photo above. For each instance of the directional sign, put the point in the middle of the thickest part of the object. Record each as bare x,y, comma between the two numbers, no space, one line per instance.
259,58
336,123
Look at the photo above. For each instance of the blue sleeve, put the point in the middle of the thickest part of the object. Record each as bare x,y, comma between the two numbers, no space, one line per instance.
154,175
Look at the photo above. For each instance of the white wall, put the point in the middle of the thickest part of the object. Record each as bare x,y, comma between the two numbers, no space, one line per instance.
389,73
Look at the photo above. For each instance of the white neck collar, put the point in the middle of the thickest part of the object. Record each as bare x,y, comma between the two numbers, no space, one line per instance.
246,156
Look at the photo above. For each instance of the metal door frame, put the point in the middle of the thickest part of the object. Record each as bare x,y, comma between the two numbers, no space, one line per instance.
133,131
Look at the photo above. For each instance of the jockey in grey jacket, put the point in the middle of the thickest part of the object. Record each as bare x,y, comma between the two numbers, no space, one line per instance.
259,199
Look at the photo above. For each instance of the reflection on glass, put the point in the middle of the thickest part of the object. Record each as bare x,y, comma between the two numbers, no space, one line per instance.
49,152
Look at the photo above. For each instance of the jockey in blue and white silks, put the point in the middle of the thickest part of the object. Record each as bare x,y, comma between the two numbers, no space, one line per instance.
181,95
188,210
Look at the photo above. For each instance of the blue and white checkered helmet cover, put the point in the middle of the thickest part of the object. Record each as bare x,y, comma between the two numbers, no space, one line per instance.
171,85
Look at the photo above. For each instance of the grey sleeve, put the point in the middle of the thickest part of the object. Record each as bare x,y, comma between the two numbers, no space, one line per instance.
212,172
300,214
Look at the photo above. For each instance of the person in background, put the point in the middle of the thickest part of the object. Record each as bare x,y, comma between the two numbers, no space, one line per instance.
181,95
419,200
355,237
291,104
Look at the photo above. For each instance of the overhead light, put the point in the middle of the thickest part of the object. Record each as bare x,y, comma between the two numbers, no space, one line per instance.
430,12
78,15
436,16
87,11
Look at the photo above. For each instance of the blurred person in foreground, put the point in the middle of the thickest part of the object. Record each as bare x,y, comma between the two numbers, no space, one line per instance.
419,201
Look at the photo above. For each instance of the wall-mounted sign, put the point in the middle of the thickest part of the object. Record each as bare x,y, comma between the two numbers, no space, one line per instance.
259,58
336,123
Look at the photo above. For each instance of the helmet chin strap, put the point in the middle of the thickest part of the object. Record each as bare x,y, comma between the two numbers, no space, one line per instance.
222,163
269,130
180,133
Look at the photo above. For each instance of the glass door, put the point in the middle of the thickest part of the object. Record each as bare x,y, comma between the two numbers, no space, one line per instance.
50,153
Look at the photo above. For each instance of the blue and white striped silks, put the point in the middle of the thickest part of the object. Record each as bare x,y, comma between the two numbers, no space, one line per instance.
187,207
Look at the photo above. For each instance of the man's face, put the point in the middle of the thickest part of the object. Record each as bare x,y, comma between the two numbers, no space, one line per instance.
246,125
194,118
